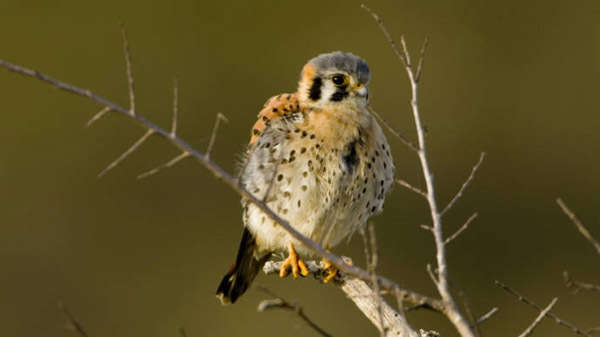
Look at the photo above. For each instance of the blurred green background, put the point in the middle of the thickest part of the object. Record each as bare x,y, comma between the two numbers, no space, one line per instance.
517,79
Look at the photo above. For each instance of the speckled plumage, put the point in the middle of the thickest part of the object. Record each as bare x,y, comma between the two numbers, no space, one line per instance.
318,159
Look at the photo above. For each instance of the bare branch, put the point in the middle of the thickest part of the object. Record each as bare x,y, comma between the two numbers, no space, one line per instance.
130,82
166,165
97,116
233,183
454,315
213,136
421,59
461,229
175,106
486,316
411,187
70,322
538,319
533,304
394,132
125,154
400,55
586,234
278,302
578,286
371,259
464,185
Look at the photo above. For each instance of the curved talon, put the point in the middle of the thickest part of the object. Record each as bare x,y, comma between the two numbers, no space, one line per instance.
331,271
294,262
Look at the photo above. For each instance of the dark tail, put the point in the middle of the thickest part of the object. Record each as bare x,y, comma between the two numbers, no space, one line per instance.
241,274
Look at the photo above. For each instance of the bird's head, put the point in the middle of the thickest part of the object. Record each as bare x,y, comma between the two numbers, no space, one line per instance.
333,80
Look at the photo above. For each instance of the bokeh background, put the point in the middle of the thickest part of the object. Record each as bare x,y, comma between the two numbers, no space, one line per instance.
517,79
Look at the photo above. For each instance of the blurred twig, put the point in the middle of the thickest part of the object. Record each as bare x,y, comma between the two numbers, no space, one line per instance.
278,302
539,308
70,321
584,231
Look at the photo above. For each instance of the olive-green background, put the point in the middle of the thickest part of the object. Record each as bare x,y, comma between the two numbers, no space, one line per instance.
517,79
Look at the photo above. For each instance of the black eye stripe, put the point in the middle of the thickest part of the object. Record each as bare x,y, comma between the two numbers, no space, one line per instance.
314,93
339,95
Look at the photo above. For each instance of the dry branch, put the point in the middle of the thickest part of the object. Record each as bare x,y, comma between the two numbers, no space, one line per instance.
366,299
584,231
538,319
278,302
578,286
539,308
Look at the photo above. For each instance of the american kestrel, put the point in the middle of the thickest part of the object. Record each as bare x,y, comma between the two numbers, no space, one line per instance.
319,160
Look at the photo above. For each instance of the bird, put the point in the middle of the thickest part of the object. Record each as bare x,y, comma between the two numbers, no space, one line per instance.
320,161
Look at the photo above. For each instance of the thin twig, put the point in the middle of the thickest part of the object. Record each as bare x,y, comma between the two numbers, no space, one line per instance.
421,59
464,185
400,55
538,319
372,268
182,332
279,302
97,116
578,286
486,316
219,173
166,165
130,82
175,106
129,151
461,229
213,136
586,234
452,312
417,190
70,322
394,132
539,308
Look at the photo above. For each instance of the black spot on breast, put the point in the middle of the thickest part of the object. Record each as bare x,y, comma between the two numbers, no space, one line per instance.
314,93
351,158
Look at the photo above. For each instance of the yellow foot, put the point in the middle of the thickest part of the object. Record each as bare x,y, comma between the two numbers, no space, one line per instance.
294,262
331,270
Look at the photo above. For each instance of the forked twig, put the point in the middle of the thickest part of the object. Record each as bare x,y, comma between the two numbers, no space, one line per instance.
278,302
539,308
452,312
464,185
70,321
538,319
584,231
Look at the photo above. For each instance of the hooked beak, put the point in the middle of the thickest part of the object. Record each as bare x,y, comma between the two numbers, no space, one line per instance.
360,90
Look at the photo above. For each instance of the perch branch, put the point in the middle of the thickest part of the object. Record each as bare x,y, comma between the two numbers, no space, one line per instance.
452,312
278,302
586,234
539,308
538,319
359,292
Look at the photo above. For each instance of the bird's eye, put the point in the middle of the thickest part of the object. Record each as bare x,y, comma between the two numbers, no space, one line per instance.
339,80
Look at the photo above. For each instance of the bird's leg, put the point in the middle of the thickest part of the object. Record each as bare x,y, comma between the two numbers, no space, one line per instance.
330,270
294,262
